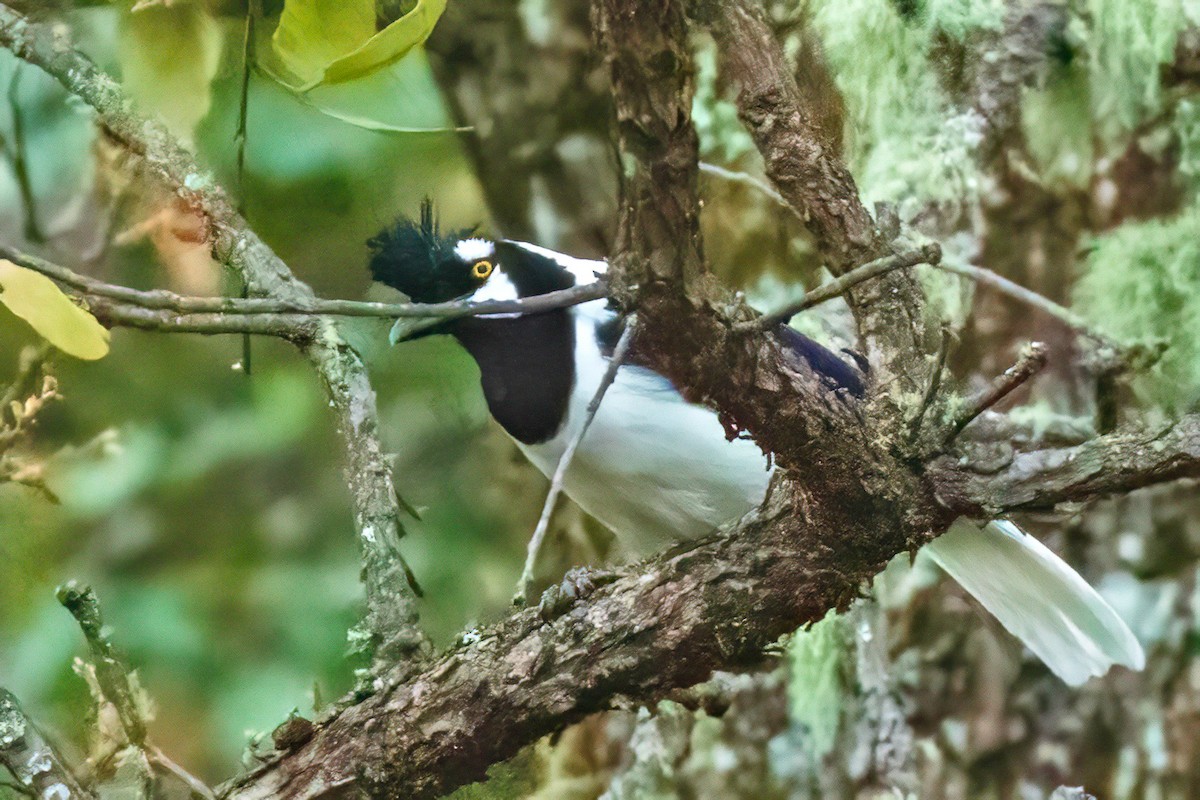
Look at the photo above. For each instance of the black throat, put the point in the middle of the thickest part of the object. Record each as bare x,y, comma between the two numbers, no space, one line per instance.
527,368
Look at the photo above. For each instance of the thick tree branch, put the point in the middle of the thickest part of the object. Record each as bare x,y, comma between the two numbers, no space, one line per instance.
392,610
1040,479
655,628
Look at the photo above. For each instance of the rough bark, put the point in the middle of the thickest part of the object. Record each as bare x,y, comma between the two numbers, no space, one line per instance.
846,503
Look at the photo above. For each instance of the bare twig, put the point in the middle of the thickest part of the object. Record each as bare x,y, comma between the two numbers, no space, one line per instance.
744,178
30,757
564,461
160,759
20,161
926,254
181,305
253,12
1029,363
1001,284
291,327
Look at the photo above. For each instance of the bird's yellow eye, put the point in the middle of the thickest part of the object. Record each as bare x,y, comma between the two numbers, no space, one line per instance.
482,269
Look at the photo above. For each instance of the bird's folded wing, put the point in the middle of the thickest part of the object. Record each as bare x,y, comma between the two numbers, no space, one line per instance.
1038,597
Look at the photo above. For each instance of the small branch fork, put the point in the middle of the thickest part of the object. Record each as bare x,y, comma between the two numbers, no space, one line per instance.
1029,363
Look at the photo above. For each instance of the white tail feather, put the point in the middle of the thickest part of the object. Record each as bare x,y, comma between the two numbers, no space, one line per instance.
1038,598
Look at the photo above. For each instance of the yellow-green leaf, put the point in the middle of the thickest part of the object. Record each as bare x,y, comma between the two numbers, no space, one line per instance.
168,59
321,42
37,300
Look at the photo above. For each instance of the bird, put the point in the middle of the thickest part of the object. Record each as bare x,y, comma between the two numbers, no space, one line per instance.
657,470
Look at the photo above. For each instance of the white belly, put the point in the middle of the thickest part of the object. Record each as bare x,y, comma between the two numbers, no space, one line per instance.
652,467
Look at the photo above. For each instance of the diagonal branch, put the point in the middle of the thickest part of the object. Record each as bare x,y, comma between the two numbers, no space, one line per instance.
1029,363
927,254
392,604
818,187
525,583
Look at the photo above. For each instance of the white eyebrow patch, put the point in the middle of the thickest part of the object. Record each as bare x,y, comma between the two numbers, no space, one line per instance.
474,249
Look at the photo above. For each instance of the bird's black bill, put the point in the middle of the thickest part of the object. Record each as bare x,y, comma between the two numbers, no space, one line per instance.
409,329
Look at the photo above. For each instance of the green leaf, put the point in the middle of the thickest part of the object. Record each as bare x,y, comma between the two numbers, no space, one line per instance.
37,300
322,42
413,104
168,59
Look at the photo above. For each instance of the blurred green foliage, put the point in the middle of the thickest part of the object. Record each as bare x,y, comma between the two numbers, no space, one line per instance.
208,507
1142,284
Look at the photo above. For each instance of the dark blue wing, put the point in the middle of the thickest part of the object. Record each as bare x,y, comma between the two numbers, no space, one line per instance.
831,367
822,361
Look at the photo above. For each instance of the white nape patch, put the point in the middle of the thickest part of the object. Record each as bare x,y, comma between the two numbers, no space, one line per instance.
474,249
585,270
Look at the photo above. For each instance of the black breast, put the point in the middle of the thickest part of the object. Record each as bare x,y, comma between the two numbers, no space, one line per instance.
527,368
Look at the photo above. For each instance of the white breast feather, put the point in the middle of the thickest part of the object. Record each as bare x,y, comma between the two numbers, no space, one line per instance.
652,467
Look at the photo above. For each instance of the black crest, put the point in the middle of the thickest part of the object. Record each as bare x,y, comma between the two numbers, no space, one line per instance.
414,257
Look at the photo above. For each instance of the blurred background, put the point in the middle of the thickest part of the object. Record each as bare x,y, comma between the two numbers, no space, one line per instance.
1055,142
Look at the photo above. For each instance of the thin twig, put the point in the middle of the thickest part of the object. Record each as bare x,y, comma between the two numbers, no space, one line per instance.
1001,284
564,462
744,178
926,254
159,299
1029,363
252,13
299,328
160,759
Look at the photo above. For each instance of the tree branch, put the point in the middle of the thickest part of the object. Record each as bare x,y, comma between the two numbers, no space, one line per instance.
1014,290
392,610
31,759
926,254
1030,362
656,628
1041,479
182,305
818,187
